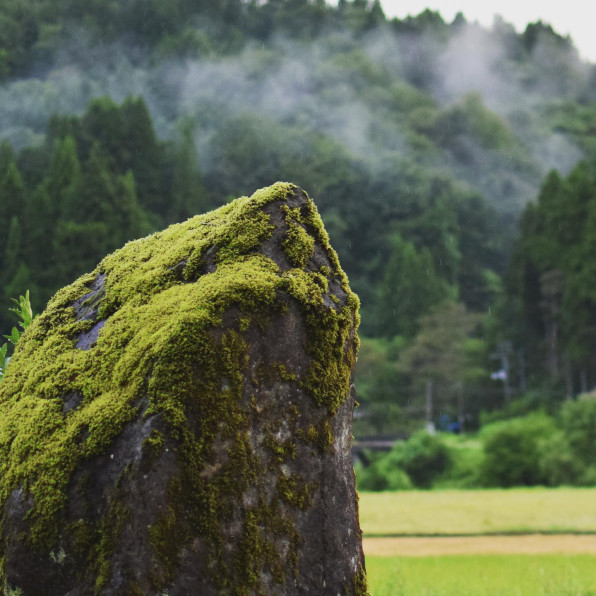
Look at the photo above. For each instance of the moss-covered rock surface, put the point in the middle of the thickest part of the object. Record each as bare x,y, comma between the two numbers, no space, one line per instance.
178,421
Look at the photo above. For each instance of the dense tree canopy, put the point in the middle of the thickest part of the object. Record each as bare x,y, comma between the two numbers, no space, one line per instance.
119,118
552,278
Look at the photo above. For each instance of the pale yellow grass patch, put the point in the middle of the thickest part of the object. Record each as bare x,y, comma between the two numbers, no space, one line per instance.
532,544
478,511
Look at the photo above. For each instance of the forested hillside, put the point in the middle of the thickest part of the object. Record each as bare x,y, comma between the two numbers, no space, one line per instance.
422,142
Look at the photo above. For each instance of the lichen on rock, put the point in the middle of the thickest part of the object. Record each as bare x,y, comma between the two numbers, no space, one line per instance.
179,420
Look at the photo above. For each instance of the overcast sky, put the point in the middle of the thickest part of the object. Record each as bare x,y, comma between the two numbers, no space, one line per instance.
573,17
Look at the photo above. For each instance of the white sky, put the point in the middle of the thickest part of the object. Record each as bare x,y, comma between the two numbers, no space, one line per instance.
574,17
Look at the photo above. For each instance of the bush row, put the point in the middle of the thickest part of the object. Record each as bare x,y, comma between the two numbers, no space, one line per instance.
536,449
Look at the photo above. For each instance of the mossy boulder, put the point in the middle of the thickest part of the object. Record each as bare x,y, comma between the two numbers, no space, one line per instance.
178,421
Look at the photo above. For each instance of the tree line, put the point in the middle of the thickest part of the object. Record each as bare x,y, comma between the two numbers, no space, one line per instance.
538,449
97,182
550,306
420,187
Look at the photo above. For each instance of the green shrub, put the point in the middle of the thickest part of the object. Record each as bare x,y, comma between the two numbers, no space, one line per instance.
417,462
381,475
578,421
545,399
423,457
513,451
558,464
587,476
465,463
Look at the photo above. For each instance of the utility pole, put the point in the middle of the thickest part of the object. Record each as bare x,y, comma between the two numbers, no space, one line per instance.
461,415
568,379
502,353
521,365
430,424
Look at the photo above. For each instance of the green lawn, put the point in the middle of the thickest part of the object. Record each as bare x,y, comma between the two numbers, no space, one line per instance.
483,575
478,511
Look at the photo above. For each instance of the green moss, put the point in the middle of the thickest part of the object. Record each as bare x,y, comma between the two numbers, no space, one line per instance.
320,436
163,536
154,444
298,245
267,374
244,323
10,591
284,373
134,589
360,584
164,299
82,536
58,557
293,491
332,344
281,450
110,529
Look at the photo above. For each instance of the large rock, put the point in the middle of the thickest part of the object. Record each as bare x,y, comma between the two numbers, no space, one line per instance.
179,420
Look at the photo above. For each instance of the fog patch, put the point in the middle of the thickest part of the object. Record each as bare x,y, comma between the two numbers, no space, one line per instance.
474,61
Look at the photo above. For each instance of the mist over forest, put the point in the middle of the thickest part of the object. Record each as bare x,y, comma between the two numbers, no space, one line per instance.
378,90
424,144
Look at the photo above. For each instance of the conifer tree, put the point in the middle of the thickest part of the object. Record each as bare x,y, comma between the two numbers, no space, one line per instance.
63,182
7,156
410,288
96,201
102,124
12,199
140,151
552,274
188,190
130,221
13,253
77,247
38,223
110,199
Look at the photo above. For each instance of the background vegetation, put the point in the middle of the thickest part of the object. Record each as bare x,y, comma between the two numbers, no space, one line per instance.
533,450
423,157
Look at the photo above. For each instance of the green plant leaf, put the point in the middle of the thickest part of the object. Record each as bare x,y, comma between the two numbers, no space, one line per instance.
14,336
25,314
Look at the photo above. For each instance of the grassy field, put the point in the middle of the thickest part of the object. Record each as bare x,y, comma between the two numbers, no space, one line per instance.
453,512
483,575
426,566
